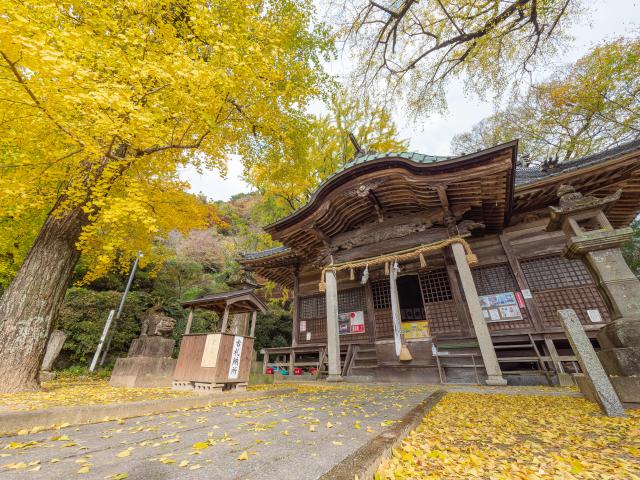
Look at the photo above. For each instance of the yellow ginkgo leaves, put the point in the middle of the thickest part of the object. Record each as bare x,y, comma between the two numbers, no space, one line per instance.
244,456
124,453
62,393
117,476
517,436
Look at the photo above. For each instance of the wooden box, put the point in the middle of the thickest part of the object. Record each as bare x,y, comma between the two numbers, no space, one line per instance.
208,358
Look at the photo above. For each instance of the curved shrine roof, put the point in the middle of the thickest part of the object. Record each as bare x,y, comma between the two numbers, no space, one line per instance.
403,181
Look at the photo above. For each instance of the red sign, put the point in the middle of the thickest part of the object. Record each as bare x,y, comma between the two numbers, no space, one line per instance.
520,300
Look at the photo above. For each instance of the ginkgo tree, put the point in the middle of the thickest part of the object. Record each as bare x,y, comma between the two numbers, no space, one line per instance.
287,180
582,108
101,103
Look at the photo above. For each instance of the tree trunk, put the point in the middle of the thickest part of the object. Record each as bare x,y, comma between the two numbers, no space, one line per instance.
30,306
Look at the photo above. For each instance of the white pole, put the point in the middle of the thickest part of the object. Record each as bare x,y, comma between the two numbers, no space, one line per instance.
102,338
121,306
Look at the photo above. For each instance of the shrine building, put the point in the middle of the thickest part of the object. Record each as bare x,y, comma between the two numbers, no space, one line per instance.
473,255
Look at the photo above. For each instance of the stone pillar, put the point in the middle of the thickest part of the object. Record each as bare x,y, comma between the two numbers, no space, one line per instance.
596,382
333,336
591,237
491,365
56,341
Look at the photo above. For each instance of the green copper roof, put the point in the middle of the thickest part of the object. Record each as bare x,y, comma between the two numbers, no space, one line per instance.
414,157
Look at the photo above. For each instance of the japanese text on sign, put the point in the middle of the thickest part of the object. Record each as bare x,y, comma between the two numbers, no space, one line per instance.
236,353
351,322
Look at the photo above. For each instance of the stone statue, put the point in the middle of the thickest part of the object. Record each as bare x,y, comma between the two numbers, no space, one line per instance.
570,198
156,323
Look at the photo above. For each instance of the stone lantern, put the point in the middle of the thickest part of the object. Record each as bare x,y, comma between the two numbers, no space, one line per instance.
591,237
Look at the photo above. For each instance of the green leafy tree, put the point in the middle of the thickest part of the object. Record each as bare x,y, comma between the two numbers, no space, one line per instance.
273,329
82,318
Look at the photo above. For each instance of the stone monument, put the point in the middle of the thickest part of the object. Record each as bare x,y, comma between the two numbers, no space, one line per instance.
148,363
595,383
56,341
591,236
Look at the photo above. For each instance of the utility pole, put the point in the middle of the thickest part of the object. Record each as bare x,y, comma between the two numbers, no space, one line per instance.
121,306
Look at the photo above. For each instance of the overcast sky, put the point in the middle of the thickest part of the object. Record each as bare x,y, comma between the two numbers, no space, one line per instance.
608,19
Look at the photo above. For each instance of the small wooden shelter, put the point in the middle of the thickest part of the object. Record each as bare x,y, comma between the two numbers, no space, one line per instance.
218,361
482,267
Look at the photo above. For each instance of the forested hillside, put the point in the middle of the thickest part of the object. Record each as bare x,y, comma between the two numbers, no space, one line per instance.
199,263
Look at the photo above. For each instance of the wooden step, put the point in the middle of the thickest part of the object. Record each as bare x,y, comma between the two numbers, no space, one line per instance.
523,359
513,347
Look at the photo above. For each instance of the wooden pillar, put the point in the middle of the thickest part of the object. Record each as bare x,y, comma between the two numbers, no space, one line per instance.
371,313
187,329
225,319
491,365
254,317
553,353
521,280
296,320
265,362
333,336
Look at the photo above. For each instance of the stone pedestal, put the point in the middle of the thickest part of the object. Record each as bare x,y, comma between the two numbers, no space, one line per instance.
620,356
148,364
151,347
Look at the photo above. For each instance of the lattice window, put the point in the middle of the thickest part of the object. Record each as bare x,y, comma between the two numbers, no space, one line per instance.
580,299
443,318
494,279
313,307
384,323
381,294
545,273
351,300
435,285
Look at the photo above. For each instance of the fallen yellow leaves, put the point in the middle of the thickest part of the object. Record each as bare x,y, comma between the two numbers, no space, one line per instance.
62,393
124,453
517,437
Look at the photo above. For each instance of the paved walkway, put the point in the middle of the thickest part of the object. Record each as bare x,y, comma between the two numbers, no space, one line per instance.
294,436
